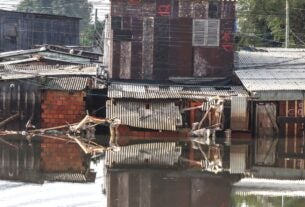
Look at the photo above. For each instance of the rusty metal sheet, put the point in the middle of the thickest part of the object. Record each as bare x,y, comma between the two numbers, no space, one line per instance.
180,55
213,62
149,115
151,154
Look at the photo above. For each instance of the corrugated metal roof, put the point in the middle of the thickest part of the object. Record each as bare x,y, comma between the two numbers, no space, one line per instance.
76,83
21,52
158,91
272,79
14,72
276,58
149,115
153,154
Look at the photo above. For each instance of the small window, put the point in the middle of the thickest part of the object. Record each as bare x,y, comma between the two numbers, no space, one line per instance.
206,32
147,106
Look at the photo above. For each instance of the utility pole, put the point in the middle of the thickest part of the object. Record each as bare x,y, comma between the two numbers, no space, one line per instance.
287,25
95,20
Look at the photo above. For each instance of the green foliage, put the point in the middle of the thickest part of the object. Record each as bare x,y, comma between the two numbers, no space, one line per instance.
262,23
255,201
91,36
73,8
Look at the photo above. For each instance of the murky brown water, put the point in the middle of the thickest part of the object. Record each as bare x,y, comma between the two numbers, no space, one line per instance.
41,160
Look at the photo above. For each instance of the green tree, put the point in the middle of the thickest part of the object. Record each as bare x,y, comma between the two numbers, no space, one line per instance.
93,35
262,23
73,8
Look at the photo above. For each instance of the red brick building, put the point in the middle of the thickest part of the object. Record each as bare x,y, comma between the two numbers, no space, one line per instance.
63,101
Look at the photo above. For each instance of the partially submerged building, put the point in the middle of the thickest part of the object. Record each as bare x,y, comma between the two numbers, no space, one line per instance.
22,30
45,95
169,111
274,79
43,159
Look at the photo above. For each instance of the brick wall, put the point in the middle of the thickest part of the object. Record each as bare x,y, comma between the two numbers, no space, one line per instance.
60,107
62,156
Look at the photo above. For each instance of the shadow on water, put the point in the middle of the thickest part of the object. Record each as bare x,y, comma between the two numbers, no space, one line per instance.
43,159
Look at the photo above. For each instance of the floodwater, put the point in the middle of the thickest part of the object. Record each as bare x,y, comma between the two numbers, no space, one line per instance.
268,192
30,178
53,194
47,172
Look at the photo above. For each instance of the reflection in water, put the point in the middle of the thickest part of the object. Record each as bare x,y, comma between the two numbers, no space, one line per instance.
269,193
42,159
267,201
166,188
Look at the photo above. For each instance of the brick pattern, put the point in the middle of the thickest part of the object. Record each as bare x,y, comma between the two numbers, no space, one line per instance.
60,156
60,107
